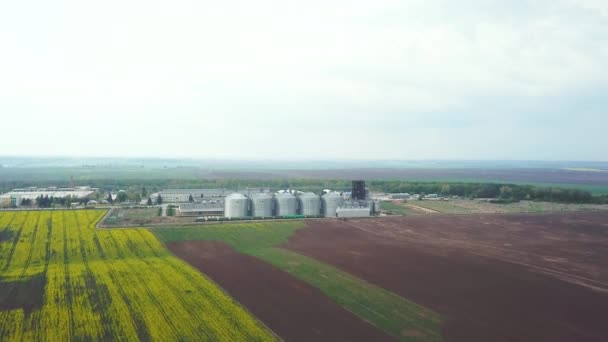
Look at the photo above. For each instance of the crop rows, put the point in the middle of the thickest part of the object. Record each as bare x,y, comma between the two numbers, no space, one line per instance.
61,280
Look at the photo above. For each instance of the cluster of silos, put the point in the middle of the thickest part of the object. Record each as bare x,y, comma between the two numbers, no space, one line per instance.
281,204
331,201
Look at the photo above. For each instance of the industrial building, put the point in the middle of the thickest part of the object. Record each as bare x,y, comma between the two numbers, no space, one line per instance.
207,208
16,196
183,195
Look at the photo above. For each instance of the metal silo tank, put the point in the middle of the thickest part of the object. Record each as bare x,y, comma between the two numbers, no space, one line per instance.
261,205
331,202
236,205
285,204
310,204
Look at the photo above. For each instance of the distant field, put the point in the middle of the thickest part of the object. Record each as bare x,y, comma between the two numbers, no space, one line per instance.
586,177
382,308
61,280
483,207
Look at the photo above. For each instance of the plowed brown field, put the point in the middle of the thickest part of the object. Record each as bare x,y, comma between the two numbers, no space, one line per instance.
291,308
529,277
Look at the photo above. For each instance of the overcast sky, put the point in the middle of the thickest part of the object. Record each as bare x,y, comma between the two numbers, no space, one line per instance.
318,79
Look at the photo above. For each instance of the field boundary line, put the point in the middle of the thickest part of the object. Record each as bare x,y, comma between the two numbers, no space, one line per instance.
216,284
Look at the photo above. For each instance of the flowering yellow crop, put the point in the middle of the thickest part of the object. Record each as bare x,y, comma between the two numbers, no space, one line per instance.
61,280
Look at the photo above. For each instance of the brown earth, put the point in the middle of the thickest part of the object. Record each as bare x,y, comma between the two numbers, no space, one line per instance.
525,277
291,308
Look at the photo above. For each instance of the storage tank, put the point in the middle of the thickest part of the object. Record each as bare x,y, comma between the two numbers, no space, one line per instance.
286,204
310,204
236,205
261,205
331,202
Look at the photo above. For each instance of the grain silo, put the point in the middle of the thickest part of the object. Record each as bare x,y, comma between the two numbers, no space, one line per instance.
331,202
236,205
310,204
286,204
261,205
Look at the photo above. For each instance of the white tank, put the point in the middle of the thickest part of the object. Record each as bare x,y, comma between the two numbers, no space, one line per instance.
286,204
331,202
236,205
310,204
261,205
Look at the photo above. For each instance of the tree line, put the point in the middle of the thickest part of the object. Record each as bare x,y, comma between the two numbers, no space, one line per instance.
135,191
513,192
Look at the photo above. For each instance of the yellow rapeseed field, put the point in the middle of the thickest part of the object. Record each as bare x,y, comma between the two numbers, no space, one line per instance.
62,280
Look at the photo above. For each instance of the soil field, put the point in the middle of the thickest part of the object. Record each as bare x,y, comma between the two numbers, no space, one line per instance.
524,277
293,309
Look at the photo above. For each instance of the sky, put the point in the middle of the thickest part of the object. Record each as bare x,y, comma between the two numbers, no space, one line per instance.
383,79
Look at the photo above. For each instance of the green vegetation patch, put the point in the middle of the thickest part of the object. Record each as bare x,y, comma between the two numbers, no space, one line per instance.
395,208
376,305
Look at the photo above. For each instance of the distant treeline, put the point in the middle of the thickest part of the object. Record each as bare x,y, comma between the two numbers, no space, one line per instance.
491,190
142,189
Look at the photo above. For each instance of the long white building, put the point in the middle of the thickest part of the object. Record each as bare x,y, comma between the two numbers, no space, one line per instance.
14,197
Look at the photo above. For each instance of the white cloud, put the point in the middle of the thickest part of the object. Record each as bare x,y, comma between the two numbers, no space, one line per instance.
391,71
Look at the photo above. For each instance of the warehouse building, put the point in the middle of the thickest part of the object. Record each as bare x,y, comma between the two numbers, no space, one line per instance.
208,208
183,195
16,196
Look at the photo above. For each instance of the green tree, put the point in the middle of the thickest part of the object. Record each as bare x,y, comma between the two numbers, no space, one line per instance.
506,192
109,199
149,201
159,199
445,189
191,199
122,196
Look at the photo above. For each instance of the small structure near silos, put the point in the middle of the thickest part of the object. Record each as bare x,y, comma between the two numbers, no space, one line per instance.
310,204
236,206
354,209
205,208
286,204
261,204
